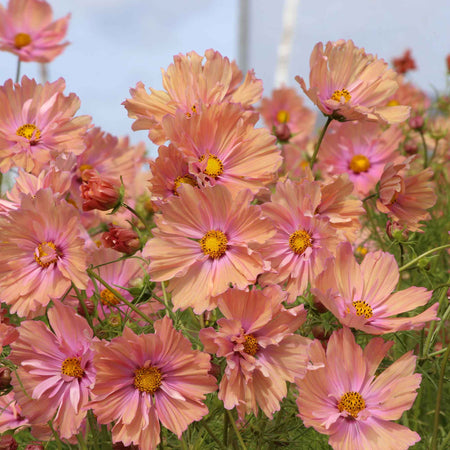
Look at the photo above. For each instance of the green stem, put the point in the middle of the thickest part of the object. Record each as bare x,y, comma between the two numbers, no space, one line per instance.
139,216
226,422
94,428
236,431
316,149
87,316
18,69
437,409
425,150
55,435
91,273
166,303
370,196
429,252
213,436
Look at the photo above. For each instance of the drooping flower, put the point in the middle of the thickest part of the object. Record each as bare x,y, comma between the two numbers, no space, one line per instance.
55,370
346,83
203,242
360,149
146,380
27,29
404,198
361,297
222,146
11,414
38,124
188,83
41,253
303,240
347,401
256,336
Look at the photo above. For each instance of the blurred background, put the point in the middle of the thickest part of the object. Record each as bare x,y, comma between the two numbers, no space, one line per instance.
116,43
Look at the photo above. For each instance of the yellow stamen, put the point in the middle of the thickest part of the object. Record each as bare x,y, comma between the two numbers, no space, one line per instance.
338,95
72,367
84,167
29,131
22,40
250,345
299,241
46,254
108,298
361,250
214,243
393,103
359,163
188,179
363,309
188,115
283,116
147,379
352,402
214,166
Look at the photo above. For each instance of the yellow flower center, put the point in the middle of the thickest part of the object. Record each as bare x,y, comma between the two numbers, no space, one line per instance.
214,243
359,163
84,167
282,116
194,111
29,131
342,94
393,103
352,402
250,345
72,367
46,253
214,166
299,241
363,309
22,40
361,250
147,379
108,298
188,179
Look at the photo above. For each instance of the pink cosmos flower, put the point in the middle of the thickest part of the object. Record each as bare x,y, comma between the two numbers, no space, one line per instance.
360,149
303,240
256,336
38,124
285,107
27,30
147,379
410,95
404,63
347,401
360,296
203,242
188,83
405,199
346,83
11,414
55,370
41,253
223,146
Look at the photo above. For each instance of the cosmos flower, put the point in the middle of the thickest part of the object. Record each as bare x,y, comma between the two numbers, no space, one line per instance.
361,297
203,242
41,253
345,400
256,336
146,380
346,83
189,82
55,370
27,30
11,413
38,124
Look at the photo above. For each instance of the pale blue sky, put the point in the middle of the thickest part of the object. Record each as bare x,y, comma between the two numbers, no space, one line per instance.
116,43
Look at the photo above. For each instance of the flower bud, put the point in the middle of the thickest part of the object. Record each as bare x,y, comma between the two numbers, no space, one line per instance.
36,446
103,193
5,378
396,232
416,122
121,239
410,147
282,132
7,442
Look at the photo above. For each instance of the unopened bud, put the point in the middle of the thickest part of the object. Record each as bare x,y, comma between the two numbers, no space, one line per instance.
121,239
410,148
5,378
282,132
396,232
99,192
416,122
7,442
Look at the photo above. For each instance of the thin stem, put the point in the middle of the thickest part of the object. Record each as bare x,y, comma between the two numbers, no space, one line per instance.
236,431
139,216
166,303
425,150
437,410
213,436
91,273
429,252
370,196
322,134
18,69
226,421
55,434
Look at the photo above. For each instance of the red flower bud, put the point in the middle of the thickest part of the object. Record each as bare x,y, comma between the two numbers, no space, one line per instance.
98,192
121,239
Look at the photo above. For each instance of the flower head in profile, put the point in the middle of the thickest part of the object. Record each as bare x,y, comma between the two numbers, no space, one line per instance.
346,83
405,199
203,242
361,297
55,370
11,413
256,336
345,400
38,124
41,253
191,80
27,29
146,380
